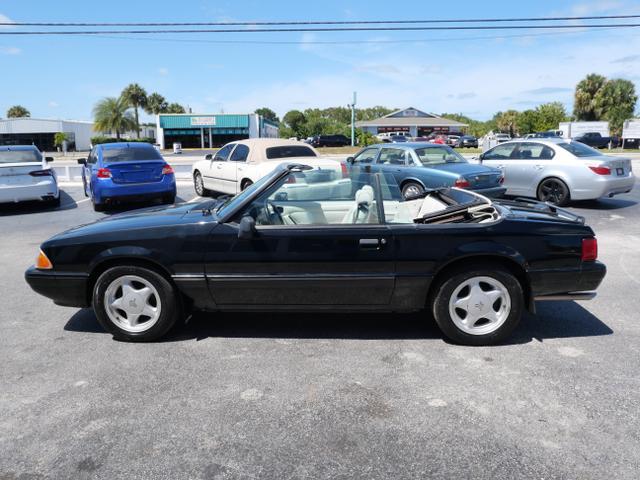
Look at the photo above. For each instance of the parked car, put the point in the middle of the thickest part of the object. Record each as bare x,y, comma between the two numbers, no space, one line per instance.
25,175
330,141
237,165
467,141
386,136
502,137
557,171
595,140
418,167
546,134
125,172
452,140
474,264
398,139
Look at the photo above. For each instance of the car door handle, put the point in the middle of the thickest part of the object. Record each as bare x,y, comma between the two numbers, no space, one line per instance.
219,166
539,167
372,243
500,166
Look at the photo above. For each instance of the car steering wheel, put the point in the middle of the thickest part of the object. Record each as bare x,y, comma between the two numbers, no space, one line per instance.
273,213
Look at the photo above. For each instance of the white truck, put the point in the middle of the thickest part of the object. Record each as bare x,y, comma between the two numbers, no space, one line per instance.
577,129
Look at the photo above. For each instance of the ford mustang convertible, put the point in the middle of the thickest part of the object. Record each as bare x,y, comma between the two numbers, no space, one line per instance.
298,240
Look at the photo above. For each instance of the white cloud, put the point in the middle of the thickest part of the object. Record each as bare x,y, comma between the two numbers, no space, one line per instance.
163,71
53,104
10,51
5,19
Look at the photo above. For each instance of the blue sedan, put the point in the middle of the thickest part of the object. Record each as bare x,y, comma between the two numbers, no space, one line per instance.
120,172
418,166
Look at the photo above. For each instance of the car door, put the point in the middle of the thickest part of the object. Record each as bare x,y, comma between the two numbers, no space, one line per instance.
88,172
311,257
214,177
500,157
393,161
530,162
236,166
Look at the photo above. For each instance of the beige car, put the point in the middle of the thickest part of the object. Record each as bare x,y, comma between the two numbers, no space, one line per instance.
240,164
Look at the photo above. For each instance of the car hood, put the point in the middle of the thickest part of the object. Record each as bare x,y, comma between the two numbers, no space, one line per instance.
144,218
464,168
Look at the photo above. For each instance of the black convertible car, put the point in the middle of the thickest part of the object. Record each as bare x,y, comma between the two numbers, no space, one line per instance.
307,239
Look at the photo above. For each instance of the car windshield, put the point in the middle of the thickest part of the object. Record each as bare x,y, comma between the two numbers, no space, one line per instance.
288,151
127,154
579,149
438,155
20,156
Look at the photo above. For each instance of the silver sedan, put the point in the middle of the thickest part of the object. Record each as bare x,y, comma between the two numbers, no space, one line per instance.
558,170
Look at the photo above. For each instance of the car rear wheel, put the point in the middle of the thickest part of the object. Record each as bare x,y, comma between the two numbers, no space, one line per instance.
412,189
135,303
478,305
169,199
246,184
555,191
198,184
97,207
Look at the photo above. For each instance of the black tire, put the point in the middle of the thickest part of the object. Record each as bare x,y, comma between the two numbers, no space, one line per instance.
554,191
169,199
412,189
198,185
447,286
167,299
55,203
246,184
97,207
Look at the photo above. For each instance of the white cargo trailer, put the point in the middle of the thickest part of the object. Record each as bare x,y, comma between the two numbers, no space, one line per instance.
575,129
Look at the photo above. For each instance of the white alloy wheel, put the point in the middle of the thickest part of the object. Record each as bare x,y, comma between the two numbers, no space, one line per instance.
132,303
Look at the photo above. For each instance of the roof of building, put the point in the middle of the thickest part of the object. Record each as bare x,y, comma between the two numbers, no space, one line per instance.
22,119
410,116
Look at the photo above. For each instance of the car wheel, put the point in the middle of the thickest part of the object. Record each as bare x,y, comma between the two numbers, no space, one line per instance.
412,189
55,203
198,184
97,207
169,199
478,305
135,304
246,184
555,191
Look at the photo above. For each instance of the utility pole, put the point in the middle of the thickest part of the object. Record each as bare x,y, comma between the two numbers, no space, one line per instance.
353,121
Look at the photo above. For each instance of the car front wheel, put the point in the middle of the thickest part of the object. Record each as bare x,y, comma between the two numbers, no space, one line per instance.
135,303
479,305
198,184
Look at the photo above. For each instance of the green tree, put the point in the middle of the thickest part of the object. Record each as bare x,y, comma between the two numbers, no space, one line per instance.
549,115
528,122
59,138
616,102
156,104
507,121
296,121
113,115
136,97
268,114
18,111
584,100
175,108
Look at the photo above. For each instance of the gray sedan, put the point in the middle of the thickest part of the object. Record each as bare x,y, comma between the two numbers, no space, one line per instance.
559,170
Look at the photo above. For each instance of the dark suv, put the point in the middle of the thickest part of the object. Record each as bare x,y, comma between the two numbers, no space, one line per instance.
330,141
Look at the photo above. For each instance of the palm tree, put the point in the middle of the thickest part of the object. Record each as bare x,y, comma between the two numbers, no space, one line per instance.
136,97
18,111
584,103
156,104
113,114
175,108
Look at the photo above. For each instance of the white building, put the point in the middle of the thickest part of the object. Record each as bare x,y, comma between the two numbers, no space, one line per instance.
411,121
40,132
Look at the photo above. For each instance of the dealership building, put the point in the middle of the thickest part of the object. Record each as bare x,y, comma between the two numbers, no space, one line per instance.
412,121
40,132
211,130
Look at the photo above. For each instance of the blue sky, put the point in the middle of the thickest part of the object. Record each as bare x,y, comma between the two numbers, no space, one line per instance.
475,73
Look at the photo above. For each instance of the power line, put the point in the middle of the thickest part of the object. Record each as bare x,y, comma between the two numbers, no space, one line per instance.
319,22
323,29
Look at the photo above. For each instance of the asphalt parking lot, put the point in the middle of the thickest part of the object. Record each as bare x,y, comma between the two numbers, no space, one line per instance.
319,396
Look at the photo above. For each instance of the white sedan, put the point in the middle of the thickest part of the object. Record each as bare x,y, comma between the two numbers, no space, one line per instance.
556,170
25,175
239,164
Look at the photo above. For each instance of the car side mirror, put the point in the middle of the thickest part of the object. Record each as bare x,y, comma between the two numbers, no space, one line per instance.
82,161
247,228
481,157
48,159
350,160
208,156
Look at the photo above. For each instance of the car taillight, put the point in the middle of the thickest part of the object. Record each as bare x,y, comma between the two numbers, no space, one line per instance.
41,173
601,170
167,170
43,262
589,249
104,173
462,183
345,172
